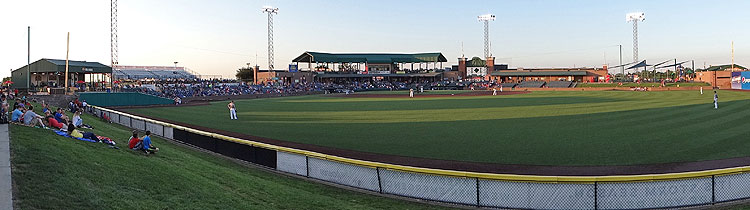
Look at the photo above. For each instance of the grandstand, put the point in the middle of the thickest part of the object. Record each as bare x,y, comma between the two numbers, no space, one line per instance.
154,72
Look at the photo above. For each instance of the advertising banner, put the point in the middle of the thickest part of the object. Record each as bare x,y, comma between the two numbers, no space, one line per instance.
476,71
741,80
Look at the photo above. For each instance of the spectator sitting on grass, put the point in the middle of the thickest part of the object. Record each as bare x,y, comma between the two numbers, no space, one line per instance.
147,146
54,123
134,142
16,116
78,122
60,116
33,119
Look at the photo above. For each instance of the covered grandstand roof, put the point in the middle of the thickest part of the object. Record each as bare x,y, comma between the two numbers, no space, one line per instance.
538,73
319,57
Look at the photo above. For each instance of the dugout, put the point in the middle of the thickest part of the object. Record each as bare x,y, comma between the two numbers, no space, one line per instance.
51,73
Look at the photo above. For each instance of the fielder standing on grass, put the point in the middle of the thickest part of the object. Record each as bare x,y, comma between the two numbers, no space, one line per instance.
494,91
232,111
411,93
716,100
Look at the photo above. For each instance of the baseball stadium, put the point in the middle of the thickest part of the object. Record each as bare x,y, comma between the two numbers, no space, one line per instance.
371,126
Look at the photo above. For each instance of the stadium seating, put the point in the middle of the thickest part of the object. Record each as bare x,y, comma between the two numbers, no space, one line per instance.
140,73
508,85
559,84
531,84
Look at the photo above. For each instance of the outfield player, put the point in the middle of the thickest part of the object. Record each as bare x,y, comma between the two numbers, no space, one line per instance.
232,111
411,93
494,91
716,100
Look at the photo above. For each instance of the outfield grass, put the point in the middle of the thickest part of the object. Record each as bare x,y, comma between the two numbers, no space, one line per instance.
650,84
53,172
416,91
540,128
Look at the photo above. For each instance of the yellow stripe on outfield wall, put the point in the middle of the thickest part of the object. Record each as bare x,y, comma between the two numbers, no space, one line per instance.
454,173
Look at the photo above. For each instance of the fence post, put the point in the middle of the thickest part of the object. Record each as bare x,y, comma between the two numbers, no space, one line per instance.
380,185
596,195
307,165
131,122
713,189
477,186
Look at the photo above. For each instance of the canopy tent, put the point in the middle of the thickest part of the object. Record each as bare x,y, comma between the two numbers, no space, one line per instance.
642,64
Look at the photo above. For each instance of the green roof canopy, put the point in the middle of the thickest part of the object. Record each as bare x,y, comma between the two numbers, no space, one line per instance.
538,73
389,58
46,65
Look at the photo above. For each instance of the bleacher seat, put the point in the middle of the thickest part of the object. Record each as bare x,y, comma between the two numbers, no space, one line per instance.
508,85
531,84
559,84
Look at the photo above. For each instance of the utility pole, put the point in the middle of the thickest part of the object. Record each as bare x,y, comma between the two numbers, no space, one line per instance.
732,55
622,68
67,52
271,11
28,60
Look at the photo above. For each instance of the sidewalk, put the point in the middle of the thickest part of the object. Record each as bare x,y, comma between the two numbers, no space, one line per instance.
6,192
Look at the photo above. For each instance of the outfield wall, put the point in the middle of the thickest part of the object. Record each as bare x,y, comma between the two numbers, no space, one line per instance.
468,188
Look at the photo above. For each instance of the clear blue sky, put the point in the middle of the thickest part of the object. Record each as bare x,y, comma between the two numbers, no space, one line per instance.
217,37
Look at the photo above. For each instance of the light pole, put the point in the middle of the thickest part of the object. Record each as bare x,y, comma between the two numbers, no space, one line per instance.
622,68
486,19
635,17
271,11
175,64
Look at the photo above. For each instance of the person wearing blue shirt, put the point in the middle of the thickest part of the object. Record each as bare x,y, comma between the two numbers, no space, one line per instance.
16,117
147,146
60,117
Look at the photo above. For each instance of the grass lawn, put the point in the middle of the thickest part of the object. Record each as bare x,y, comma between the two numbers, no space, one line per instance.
651,84
54,172
540,128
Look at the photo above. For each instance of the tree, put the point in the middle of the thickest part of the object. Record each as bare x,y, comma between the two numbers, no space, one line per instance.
6,79
244,74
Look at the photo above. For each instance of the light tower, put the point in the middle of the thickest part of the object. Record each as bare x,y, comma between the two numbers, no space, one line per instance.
113,38
271,11
486,19
635,17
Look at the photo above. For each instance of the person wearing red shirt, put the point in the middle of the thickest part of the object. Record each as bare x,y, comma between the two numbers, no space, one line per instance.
134,140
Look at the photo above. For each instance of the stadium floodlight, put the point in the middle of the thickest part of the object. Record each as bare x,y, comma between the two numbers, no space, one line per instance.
271,11
486,18
635,17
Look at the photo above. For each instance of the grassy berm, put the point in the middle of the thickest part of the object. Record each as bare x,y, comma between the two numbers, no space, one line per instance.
54,172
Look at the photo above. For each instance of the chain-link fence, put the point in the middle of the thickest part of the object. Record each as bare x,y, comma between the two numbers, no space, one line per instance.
477,191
